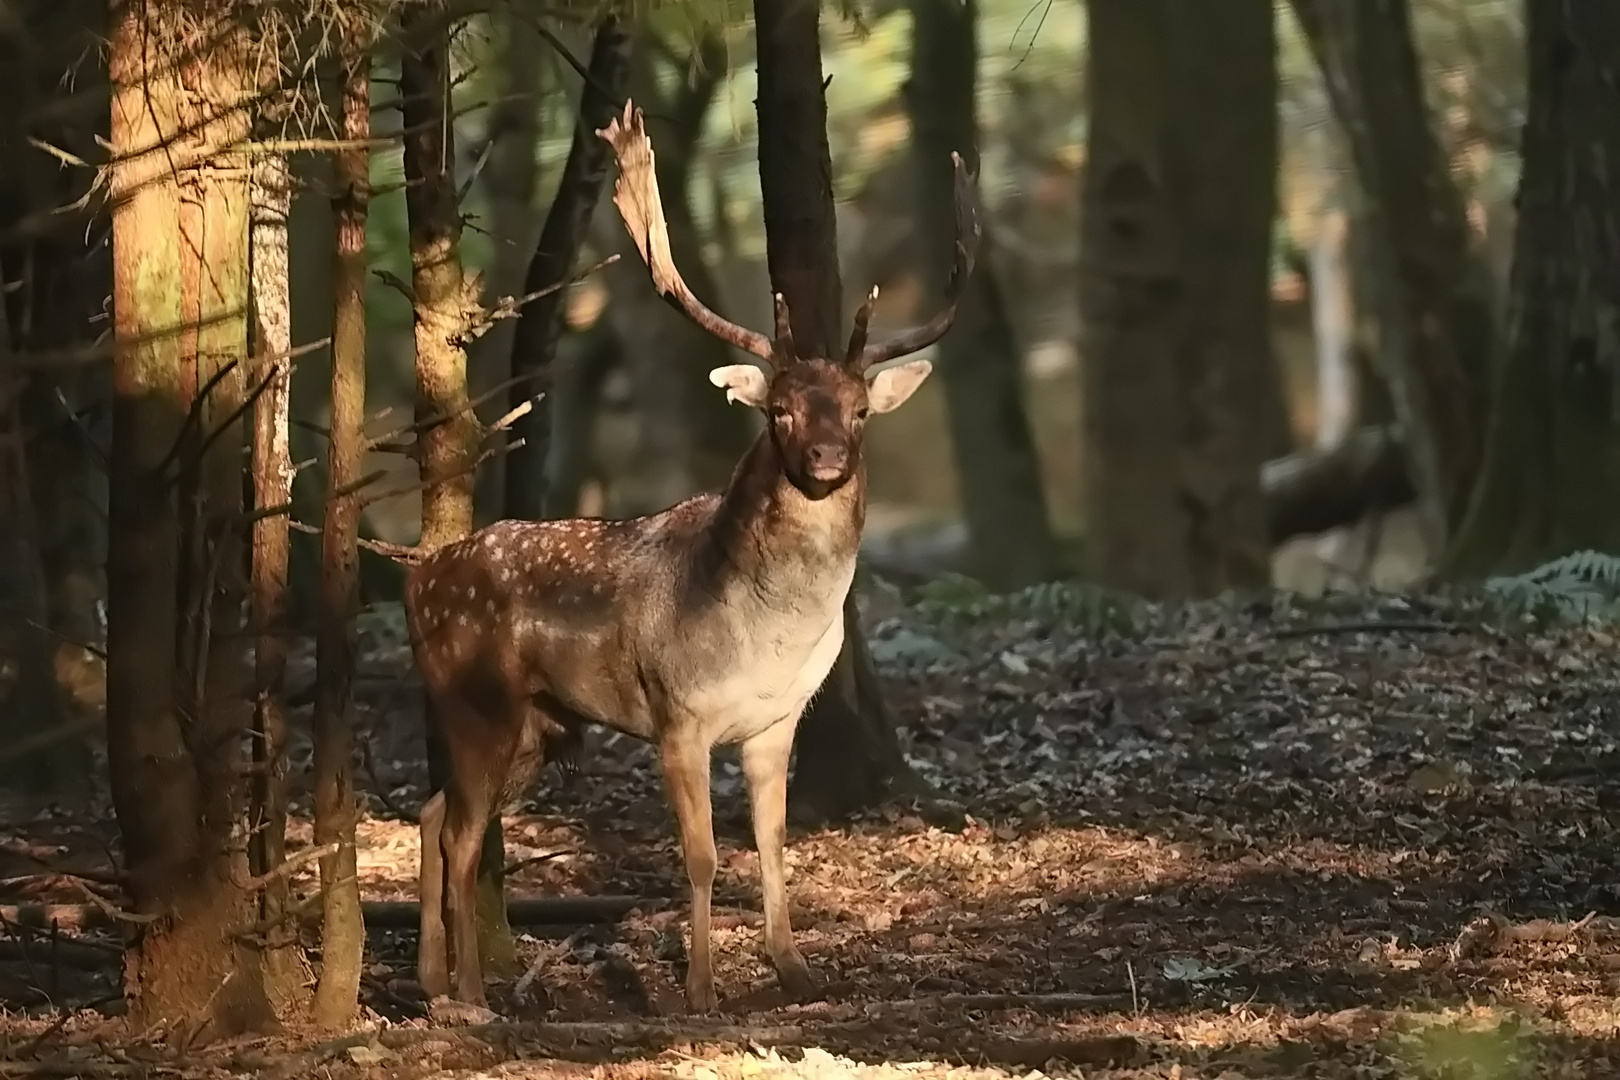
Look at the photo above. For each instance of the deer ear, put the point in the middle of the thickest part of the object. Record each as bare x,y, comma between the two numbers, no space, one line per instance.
889,388
743,383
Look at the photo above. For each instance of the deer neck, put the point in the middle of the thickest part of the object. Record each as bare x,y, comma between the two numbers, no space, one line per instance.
769,546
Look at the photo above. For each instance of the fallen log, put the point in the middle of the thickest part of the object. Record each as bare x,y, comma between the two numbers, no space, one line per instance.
1314,491
378,914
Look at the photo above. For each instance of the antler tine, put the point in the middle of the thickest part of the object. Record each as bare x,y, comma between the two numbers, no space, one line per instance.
636,195
968,232
863,320
784,326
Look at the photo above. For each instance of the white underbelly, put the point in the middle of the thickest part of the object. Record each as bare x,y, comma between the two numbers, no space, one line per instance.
767,686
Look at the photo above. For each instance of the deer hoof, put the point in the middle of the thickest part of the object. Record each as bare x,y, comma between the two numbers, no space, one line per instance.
700,996
793,974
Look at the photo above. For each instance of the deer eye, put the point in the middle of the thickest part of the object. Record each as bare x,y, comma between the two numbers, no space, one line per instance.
861,413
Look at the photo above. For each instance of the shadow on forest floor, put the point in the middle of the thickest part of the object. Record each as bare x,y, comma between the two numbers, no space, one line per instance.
1243,845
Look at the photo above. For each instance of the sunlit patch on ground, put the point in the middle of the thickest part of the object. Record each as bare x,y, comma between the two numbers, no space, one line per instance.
1249,843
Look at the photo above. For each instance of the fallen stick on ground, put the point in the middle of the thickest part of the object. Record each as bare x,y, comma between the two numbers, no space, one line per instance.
378,914
1489,933
598,1041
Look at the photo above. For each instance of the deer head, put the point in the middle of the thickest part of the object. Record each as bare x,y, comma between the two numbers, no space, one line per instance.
816,406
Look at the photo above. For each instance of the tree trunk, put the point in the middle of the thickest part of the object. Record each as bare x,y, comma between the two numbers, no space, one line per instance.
1438,348
343,935
847,752
271,201
173,733
1552,456
534,343
510,179
1177,209
979,360
447,449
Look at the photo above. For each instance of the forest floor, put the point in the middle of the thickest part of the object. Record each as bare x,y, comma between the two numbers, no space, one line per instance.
1245,840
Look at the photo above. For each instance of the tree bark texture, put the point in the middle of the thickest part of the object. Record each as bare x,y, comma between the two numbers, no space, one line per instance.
1439,340
1178,202
539,326
271,201
848,757
173,731
1552,456
451,438
343,934
979,360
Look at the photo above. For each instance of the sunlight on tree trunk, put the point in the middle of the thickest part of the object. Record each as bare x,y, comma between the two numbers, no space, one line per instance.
1178,203
444,302
271,200
1552,454
343,934
173,722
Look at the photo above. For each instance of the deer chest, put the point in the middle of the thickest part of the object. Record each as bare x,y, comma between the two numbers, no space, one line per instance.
771,680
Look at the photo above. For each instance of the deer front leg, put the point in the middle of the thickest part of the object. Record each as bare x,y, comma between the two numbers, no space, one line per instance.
686,776
432,950
765,764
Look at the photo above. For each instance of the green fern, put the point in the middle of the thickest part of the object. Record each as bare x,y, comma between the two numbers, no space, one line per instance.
1095,611
1579,587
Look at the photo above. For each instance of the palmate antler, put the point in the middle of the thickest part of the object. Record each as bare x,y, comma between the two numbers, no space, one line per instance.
636,196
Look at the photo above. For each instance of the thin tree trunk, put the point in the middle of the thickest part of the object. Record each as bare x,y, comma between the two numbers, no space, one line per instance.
447,450
1552,458
1177,209
272,533
172,729
510,179
848,755
343,934
1438,349
979,360
534,342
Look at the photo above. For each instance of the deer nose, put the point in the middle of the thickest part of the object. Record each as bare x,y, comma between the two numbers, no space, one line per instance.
827,460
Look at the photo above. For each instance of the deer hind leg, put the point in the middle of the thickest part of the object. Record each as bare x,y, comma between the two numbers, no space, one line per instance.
765,765
468,809
432,951
686,777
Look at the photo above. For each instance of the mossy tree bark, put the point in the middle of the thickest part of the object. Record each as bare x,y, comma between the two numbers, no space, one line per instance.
450,438
979,360
848,757
1552,453
174,686
1178,203
1435,293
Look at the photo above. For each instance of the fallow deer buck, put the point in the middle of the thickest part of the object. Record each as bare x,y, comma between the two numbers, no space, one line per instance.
713,622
